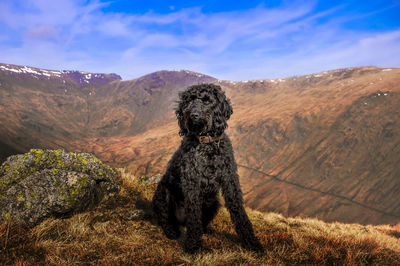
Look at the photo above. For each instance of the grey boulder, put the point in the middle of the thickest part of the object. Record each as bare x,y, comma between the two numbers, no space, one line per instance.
45,183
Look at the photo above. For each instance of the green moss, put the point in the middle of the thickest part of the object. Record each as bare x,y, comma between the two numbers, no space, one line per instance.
83,180
54,160
37,155
15,173
55,171
32,170
7,216
34,197
36,152
70,194
21,196
5,167
84,161
73,192
60,164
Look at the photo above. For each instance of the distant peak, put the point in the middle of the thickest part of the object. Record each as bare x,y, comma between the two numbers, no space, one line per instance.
86,77
179,73
30,70
340,72
184,71
190,72
79,76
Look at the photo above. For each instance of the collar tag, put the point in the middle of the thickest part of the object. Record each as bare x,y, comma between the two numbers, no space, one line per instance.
209,139
204,139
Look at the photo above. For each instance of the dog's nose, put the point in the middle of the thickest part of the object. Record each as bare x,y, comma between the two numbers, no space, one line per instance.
195,116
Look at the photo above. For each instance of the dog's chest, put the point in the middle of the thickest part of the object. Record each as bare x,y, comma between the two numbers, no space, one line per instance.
209,167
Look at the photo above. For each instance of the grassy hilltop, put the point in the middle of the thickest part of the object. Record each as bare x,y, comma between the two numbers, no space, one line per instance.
120,231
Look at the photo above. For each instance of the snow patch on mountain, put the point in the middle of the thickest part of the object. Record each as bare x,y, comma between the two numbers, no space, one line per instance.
29,70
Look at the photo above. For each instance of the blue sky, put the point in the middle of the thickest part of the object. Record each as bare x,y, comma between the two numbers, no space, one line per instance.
234,40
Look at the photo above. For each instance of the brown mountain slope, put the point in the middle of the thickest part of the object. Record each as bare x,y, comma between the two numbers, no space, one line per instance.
323,145
44,108
351,171
335,157
126,108
50,109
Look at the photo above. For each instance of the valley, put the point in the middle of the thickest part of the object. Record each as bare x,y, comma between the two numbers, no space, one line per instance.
323,145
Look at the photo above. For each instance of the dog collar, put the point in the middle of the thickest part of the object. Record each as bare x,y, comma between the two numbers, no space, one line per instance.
209,139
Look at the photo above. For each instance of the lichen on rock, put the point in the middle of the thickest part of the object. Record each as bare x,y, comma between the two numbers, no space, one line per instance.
44,183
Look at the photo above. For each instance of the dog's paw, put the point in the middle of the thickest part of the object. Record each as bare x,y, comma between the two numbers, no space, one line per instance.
172,233
253,244
192,247
257,248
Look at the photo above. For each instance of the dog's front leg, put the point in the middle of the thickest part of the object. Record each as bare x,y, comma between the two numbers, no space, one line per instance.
191,190
163,213
234,203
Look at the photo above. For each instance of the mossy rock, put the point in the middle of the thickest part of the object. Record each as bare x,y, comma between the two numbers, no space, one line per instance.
44,183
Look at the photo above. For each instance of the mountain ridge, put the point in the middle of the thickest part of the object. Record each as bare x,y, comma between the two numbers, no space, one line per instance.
334,131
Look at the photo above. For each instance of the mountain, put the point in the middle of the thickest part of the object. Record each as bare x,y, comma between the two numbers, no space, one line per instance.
50,109
45,108
324,145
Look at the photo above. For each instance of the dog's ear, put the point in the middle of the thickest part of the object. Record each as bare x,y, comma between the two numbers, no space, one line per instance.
181,122
226,108
222,111
224,103
179,115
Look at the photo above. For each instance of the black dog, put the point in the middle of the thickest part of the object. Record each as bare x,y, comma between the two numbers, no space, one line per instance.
187,195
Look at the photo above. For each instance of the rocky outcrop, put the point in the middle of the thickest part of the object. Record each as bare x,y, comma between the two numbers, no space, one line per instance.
44,183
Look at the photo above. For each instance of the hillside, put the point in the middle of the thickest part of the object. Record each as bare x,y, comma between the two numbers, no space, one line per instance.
50,109
121,231
323,145
45,108
330,150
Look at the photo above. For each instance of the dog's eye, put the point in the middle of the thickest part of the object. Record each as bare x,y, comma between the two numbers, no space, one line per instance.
206,99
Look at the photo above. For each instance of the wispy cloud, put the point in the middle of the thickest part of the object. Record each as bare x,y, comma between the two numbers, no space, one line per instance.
255,43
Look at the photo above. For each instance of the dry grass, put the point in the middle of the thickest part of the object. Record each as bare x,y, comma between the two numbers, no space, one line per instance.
121,231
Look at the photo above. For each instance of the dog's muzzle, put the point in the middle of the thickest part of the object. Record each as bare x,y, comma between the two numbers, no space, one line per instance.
196,120
196,123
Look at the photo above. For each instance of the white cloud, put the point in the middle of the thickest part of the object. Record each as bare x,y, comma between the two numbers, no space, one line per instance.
249,44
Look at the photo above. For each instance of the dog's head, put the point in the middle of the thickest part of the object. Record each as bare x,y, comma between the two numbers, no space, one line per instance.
203,110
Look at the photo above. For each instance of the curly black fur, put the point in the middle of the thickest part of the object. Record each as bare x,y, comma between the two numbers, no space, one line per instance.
187,195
